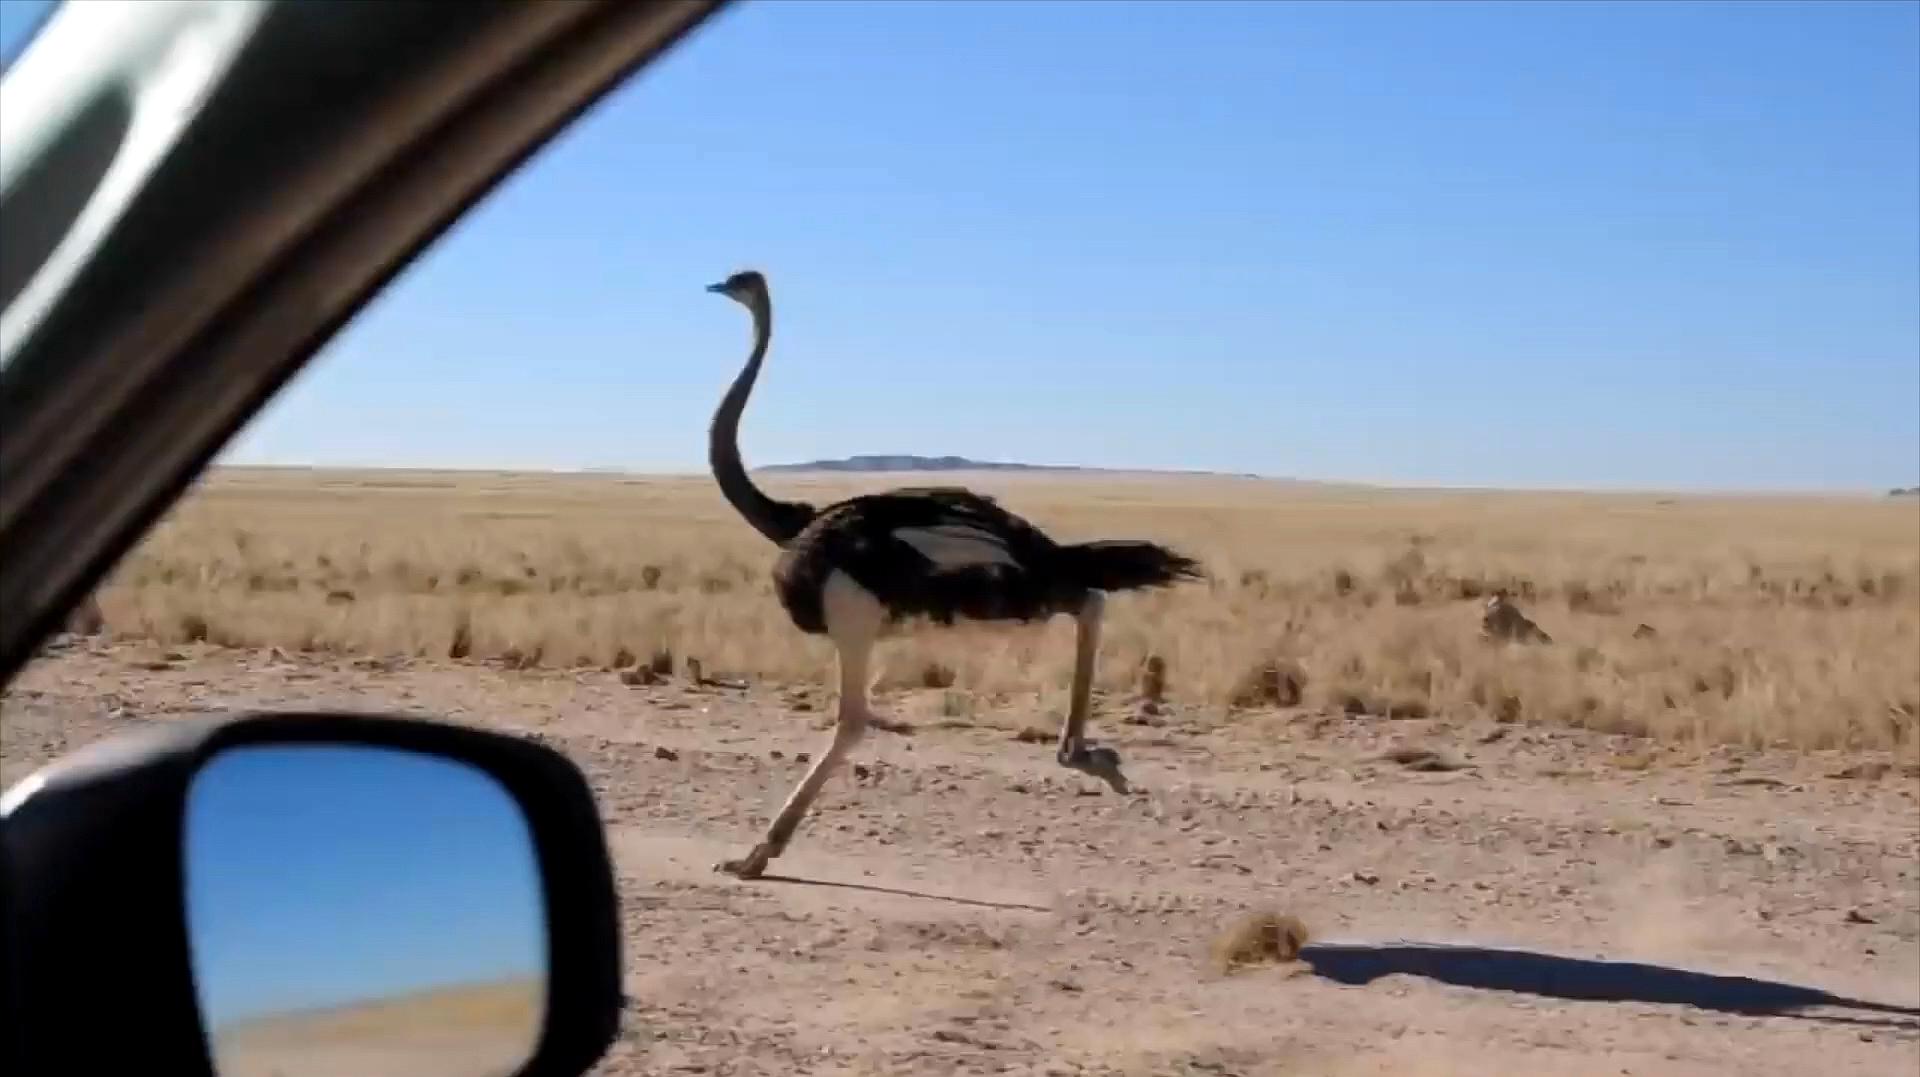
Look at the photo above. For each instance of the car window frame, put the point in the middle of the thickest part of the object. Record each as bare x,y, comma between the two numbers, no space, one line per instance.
278,215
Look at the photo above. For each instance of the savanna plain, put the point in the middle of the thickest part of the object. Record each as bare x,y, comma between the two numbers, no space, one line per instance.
1679,836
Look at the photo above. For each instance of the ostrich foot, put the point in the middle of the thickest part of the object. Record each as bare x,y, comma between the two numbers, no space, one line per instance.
751,866
1101,762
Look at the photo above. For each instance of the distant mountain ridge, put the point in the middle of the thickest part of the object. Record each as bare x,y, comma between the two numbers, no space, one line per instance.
910,462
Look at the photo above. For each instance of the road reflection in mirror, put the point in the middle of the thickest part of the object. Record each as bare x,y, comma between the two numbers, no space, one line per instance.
361,911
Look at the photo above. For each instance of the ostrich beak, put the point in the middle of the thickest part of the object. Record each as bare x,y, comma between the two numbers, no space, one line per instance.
720,288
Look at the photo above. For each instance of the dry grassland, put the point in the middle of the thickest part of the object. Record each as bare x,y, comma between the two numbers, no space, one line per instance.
515,1008
475,1030
1776,621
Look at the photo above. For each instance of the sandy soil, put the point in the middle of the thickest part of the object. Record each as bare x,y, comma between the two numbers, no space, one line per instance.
473,1031
960,905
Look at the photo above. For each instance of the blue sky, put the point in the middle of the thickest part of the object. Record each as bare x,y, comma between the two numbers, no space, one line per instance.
318,874
1605,245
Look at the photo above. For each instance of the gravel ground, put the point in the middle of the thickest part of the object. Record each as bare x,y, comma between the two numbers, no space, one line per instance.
1520,901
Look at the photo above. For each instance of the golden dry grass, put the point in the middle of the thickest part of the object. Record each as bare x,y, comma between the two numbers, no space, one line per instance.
1774,620
517,1006
1259,938
471,1030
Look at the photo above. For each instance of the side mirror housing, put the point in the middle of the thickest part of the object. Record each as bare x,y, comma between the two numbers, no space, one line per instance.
292,893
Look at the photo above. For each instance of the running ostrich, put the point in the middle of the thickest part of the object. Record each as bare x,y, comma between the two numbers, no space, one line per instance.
856,569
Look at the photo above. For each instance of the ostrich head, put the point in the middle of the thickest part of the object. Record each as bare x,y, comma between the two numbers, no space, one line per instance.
746,287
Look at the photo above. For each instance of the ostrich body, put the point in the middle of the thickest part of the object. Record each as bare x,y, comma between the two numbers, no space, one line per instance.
856,569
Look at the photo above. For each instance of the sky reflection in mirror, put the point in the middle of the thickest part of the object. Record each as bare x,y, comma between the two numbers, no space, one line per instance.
323,875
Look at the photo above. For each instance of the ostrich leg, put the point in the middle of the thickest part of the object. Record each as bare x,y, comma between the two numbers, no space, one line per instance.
849,726
1075,751
854,619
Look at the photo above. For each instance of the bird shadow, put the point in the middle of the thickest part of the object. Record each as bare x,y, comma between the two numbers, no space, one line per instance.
875,888
1588,980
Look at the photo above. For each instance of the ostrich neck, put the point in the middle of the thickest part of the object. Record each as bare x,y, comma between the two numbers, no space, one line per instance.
723,445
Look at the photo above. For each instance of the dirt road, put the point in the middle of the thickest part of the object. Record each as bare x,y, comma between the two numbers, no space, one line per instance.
1560,904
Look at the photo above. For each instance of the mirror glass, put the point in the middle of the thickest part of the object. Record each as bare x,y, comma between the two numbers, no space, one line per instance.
362,911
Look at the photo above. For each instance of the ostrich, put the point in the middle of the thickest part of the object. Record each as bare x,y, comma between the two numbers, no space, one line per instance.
1504,621
856,569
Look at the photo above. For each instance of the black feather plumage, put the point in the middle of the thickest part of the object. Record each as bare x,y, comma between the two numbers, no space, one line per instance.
1005,569
862,537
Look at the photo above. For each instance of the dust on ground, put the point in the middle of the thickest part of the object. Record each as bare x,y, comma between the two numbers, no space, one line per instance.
1548,902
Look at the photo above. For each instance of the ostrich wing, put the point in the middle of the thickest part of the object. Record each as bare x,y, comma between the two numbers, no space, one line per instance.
957,545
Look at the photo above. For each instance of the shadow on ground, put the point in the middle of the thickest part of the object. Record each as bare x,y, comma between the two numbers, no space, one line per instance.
1582,979
875,888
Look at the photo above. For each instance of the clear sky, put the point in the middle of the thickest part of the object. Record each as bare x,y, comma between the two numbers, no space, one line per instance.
1632,244
321,874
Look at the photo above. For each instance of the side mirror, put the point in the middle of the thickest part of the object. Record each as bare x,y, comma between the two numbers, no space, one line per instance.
360,908
308,894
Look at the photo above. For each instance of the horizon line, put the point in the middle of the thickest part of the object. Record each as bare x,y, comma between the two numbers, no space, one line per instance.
1094,473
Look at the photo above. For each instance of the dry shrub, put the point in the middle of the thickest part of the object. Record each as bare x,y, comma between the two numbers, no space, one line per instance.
460,642
936,675
87,618
1261,938
1420,759
1634,759
1584,599
1274,684
1781,621
1153,679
